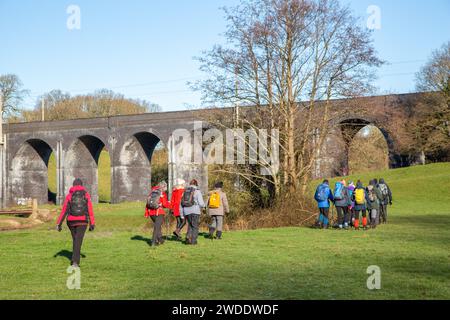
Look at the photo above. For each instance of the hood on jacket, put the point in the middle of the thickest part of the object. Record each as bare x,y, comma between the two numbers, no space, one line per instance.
76,188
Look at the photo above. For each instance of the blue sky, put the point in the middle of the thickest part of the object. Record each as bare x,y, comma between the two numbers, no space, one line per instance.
145,49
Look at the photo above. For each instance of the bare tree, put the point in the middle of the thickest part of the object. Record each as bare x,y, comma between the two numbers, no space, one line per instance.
431,120
12,92
283,52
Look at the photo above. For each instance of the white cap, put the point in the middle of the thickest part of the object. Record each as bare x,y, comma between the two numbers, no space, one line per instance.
179,182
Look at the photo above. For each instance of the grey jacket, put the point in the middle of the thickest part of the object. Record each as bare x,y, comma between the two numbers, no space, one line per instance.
198,204
346,201
224,208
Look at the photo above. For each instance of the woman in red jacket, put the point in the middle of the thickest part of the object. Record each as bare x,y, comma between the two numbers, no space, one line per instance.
157,201
77,208
177,194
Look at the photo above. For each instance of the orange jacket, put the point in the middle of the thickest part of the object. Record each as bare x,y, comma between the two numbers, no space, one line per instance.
165,203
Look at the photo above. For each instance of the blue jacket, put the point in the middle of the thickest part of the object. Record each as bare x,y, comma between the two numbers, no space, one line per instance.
326,203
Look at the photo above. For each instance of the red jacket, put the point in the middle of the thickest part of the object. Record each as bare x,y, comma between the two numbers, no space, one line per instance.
177,194
72,219
164,201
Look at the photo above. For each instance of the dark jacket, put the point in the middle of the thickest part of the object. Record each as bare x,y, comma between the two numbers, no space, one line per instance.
386,199
375,203
359,207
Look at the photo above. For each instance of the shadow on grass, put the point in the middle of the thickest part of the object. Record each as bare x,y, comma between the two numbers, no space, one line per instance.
66,254
430,220
141,238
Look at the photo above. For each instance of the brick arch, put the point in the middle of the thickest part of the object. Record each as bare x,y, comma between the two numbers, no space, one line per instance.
81,161
132,166
29,172
350,126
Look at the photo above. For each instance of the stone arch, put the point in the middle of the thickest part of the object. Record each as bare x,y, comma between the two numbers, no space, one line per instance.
29,172
132,169
334,155
350,127
81,161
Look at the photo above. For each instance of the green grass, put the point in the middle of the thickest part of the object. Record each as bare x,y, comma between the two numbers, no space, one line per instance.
290,263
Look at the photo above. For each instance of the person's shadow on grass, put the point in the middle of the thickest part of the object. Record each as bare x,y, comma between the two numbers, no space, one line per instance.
149,241
66,254
141,238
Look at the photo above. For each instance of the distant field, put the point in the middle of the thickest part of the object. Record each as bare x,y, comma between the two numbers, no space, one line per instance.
288,263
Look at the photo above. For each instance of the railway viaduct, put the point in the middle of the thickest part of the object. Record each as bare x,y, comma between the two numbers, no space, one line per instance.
131,141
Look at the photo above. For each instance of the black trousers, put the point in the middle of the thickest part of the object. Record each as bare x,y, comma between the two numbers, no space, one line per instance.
77,240
383,213
180,223
193,223
157,229
343,215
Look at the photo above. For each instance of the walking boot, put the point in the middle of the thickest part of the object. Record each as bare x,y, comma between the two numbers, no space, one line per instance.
219,235
211,233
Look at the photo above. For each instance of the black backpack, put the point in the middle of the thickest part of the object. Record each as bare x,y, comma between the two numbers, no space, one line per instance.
78,204
154,199
188,197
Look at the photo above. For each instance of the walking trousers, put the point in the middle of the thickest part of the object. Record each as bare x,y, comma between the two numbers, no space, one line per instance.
383,213
180,223
157,237
342,216
77,241
193,223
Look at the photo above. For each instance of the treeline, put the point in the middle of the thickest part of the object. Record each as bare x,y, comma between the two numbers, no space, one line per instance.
59,105
102,103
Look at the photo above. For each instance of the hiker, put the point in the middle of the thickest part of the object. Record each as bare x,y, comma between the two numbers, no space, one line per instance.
373,203
177,193
351,190
323,196
217,208
156,202
191,206
359,197
342,202
77,208
387,199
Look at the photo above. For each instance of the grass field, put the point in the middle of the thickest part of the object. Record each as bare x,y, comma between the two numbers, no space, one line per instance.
290,263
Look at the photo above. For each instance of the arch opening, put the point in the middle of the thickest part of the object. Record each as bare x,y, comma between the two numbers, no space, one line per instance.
368,151
30,173
82,161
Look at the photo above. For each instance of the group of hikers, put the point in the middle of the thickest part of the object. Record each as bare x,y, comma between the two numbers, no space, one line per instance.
352,203
186,205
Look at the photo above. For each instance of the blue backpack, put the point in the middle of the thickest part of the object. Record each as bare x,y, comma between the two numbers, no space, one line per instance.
339,191
321,193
